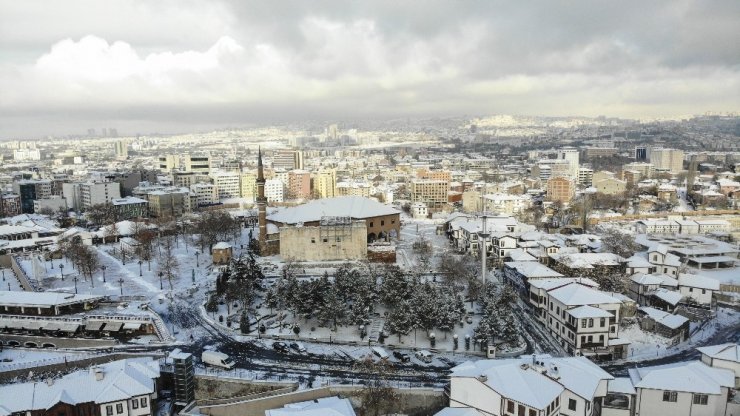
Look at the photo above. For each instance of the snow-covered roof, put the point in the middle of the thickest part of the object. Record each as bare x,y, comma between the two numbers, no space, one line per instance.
121,380
638,261
575,294
327,406
548,284
692,377
343,206
221,246
536,386
588,312
531,269
43,299
664,318
621,385
646,279
458,411
698,281
587,260
668,296
519,254
726,352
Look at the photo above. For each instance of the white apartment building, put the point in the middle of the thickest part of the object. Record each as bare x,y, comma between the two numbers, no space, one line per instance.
585,176
571,155
81,196
205,193
274,190
228,184
26,154
670,160
507,204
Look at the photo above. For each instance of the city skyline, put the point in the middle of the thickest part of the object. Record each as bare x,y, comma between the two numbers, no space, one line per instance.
169,67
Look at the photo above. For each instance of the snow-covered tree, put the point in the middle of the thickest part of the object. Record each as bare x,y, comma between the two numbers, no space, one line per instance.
400,321
617,242
396,286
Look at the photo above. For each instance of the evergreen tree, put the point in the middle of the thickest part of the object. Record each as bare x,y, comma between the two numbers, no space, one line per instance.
400,321
244,323
425,305
396,286
508,328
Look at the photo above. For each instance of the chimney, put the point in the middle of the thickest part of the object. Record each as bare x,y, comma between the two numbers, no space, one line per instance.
49,381
99,374
482,378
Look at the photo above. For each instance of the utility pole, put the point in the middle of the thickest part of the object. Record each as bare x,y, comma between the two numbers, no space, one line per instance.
483,236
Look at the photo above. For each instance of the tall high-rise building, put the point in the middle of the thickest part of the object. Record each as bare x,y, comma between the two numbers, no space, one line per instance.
121,147
261,203
287,159
571,155
641,153
299,184
325,183
670,160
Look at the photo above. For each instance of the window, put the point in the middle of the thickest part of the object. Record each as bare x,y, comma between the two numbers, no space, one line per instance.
119,408
571,404
590,322
701,399
135,403
109,410
338,239
520,410
510,406
557,310
532,412
601,338
670,396
371,223
326,240
313,240
382,223
143,402
393,221
703,291
583,323
603,322
557,401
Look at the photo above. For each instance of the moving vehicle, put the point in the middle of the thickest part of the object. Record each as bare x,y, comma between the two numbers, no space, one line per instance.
401,356
217,359
298,347
280,346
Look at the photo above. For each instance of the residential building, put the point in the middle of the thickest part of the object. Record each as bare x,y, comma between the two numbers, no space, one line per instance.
678,389
274,190
353,188
125,387
227,184
197,163
329,406
54,203
169,202
433,193
611,186
130,207
205,193
584,320
10,205
723,356
324,183
646,170
287,159
585,176
560,189
29,190
95,193
299,184
670,160
22,155
249,186
571,155
529,386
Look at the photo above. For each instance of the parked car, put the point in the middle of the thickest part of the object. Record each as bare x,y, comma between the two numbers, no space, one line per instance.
280,346
401,356
298,347
424,356
380,353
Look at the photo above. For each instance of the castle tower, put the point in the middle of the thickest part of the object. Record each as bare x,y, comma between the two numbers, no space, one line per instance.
261,203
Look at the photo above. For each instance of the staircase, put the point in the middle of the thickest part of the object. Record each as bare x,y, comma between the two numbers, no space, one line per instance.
375,327
161,329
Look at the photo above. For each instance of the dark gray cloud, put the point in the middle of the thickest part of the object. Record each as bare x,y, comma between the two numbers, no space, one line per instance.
175,64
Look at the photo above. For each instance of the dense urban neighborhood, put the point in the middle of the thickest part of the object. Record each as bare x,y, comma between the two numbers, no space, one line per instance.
484,266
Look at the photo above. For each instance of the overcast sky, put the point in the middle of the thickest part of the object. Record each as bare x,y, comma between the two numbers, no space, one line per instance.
143,66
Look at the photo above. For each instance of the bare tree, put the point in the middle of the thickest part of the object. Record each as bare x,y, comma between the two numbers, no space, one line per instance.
168,264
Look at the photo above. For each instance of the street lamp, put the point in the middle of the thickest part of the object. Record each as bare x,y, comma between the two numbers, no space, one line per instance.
120,282
103,267
61,271
52,262
75,280
196,259
160,281
140,262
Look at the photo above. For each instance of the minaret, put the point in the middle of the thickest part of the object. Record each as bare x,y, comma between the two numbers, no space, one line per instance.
261,203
